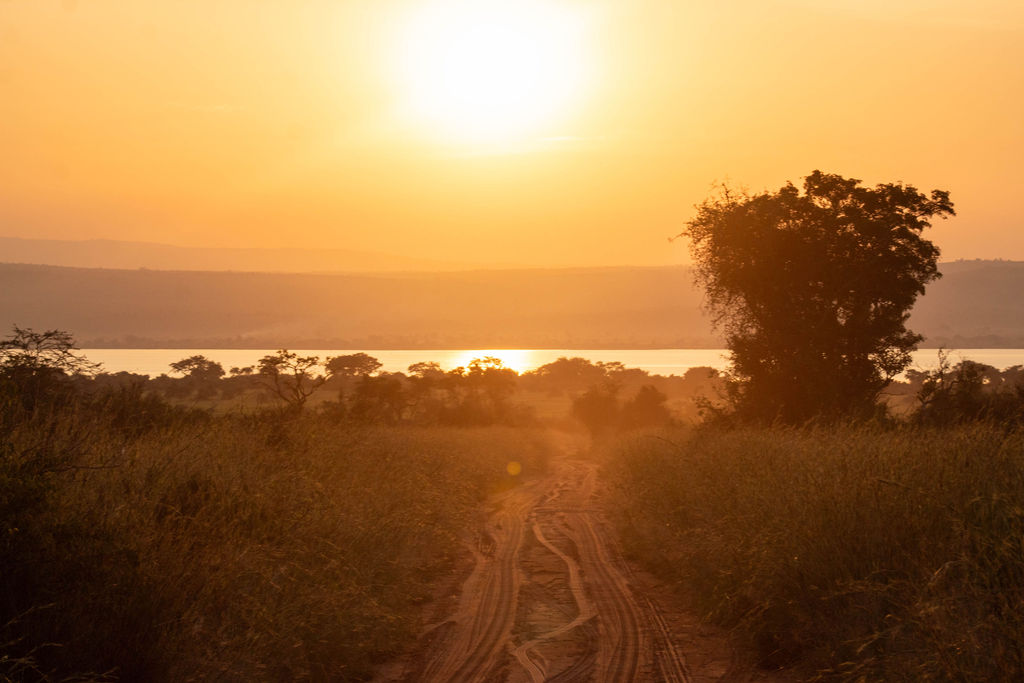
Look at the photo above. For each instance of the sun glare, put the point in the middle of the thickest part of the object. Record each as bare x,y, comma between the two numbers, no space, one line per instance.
516,359
490,70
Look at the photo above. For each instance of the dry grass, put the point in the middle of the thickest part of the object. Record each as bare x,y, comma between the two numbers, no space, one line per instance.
849,553
235,548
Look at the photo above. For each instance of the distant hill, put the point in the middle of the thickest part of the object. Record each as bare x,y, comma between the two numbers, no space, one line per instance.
615,307
130,255
977,304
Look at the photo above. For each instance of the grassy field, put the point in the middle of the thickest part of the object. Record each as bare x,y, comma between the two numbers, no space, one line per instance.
853,553
195,547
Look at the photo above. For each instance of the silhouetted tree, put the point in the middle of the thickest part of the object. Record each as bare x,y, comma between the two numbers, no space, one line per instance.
291,377
569,374
813,290
426,370
198,367
969,391
50,351
352,365
34,364
491,378
427,392
476,394
343,371
200,372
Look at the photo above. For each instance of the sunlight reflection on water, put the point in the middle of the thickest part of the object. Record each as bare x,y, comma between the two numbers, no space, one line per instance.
655,361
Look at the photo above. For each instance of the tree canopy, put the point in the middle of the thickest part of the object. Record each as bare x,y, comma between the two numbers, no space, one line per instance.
52,351
291,377
813,290
198,368
352,365
35,364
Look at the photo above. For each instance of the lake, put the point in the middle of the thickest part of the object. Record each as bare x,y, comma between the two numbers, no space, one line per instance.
154,362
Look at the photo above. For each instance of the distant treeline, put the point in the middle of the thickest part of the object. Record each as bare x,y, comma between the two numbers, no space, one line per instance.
168,529
150,539
975,305
602,396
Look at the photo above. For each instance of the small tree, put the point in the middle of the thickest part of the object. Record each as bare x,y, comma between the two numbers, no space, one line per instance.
52,351
426,384
35,363
290,377
968,391
201,373
569,374
199,368
490,386
813,290
352,365
489,376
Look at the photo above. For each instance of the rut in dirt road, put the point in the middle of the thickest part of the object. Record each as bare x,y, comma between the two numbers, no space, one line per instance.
550,598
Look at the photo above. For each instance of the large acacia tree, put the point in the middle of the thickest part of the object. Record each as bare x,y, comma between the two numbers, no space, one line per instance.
813,290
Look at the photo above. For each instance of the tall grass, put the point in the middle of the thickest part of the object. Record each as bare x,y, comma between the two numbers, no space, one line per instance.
852,553
231,548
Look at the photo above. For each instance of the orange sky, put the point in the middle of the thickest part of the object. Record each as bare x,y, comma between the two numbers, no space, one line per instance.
282,123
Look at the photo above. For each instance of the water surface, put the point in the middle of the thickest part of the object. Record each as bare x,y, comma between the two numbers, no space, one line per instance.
154,362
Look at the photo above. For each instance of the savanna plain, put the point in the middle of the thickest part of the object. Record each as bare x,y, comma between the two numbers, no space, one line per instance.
184,528
449,175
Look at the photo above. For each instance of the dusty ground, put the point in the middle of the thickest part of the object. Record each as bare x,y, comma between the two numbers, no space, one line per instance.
548,597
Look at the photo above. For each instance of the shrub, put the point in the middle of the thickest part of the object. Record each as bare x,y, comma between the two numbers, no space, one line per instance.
152,545
860,554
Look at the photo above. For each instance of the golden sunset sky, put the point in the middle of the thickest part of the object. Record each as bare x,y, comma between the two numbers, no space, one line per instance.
529,132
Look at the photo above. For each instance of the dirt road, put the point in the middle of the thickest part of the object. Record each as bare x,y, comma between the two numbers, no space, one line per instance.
549,598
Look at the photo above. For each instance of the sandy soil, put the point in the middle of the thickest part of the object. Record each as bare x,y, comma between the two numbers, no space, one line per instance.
547,596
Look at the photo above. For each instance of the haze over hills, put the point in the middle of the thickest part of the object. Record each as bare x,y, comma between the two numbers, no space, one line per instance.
976,304
620,307
99,253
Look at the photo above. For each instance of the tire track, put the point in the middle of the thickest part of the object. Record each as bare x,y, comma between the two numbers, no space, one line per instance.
592,627
670,661
482,622
622,638
619,648
585,613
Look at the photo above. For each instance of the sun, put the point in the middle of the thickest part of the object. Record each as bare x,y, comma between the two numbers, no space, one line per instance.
519,360
491,70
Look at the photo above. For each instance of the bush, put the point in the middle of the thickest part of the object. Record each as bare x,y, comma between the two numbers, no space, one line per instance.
860,554
969,392
149,543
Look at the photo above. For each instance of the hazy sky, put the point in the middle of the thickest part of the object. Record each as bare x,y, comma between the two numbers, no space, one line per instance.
333,123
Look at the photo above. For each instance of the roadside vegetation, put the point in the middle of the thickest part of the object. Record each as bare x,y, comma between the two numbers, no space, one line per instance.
282,522
143,540
851,553
844,524
289,521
